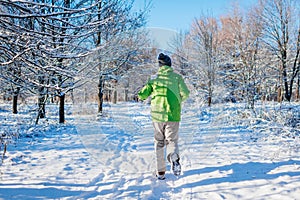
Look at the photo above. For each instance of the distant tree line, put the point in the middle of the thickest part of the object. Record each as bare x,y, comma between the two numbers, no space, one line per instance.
50,49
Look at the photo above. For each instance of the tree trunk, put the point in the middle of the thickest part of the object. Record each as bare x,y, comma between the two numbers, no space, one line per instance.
115,96
100,94
126,95
287,90
15,104
62,108
279,94
298,89
101,83
41,108
209,101
297,93
41,104
210,90
15,100
126,98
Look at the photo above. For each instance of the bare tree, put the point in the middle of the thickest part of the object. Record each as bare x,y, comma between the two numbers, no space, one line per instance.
113,39
204,39
241,48
282,36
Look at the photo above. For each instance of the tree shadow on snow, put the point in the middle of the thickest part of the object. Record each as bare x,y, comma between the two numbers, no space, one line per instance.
36,193
238,172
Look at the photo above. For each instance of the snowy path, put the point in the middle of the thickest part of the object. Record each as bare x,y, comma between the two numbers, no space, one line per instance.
113,159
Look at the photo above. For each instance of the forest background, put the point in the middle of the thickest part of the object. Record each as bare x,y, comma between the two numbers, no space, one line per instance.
58,52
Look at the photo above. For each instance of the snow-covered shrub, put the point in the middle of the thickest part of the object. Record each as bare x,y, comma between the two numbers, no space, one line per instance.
267,123
274,123
281,120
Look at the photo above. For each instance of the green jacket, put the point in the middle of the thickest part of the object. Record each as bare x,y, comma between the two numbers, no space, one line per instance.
168,91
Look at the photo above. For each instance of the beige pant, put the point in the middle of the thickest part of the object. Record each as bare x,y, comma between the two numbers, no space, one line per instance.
165,134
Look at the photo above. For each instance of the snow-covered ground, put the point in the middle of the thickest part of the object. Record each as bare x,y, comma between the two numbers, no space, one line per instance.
111,157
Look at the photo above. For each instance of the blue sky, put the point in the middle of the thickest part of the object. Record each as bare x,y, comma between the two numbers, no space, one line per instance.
179,14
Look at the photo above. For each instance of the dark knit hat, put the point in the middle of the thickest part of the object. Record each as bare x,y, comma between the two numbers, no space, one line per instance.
164,59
